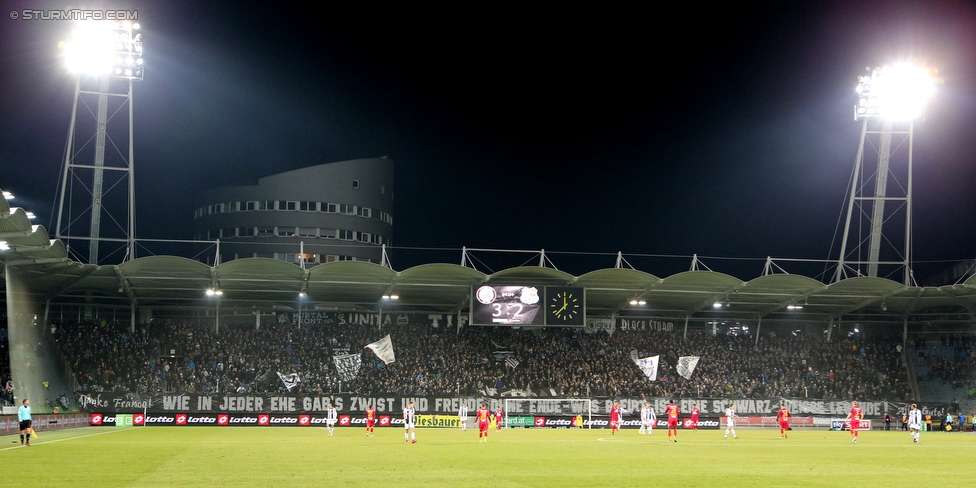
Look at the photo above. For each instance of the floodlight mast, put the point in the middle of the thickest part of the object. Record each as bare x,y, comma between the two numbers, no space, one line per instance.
890,95
105,55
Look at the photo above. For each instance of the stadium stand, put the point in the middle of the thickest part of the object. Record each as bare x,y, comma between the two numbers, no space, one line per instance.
106,356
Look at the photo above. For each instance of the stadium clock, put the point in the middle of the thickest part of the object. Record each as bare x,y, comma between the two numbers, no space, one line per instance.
564,306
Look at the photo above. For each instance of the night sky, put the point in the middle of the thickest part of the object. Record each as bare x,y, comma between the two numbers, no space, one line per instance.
659,131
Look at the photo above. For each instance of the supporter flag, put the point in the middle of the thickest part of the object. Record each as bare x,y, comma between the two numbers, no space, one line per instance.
383,349
634,356
290,380
649,366
348,366
512,362
687,365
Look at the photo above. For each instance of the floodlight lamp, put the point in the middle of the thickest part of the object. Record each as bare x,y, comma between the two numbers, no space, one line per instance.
717,305
641,302
95,47
394,297
210,292
899,91
30,215
4,246
8,196
301,294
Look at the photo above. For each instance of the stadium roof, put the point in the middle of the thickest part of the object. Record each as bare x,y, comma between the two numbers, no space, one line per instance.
165,282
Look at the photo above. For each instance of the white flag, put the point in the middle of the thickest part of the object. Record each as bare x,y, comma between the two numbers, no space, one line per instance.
383,349
290,380
649,366
634,356
512,362
687,365
348,366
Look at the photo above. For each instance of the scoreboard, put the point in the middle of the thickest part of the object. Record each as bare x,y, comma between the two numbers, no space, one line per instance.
552,306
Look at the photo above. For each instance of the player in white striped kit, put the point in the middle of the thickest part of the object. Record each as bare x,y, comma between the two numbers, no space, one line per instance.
915,422
409,419
648,419
463,416
730,421
331,416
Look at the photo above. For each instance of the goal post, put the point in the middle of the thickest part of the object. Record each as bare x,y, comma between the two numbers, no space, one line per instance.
543,407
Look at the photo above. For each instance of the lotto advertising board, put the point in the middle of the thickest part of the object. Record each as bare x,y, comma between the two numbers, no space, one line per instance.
223,420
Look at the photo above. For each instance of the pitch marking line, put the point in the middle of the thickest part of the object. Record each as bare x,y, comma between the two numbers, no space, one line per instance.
64,439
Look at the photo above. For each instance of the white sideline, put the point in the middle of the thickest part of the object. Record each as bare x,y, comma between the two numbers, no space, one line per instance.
63,439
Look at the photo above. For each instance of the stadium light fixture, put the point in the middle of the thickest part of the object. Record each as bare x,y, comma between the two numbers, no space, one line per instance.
900,91
8,196
101,48
794,307
717,305
4,246
212,292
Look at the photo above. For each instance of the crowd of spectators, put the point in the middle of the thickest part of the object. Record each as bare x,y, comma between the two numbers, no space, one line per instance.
948,358
187,356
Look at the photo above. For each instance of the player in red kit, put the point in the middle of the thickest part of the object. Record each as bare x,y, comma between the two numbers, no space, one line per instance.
615,413
784,420
484,419
370,420
499,419
672,412
695,412
855,417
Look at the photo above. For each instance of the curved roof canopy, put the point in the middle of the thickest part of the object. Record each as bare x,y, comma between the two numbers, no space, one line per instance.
265,284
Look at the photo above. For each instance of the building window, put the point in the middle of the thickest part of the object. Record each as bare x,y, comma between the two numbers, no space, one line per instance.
363,237
231,232
308,232
364,211
286,232
347,235
328,258
355,184
377,239
308,206
327,233
265,232
252,205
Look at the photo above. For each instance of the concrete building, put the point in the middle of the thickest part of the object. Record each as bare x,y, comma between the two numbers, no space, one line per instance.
340,211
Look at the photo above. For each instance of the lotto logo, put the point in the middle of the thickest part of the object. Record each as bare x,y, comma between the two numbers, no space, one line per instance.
304,420
344,421
96,419
384,420
181,419
138,419
223,419
264,419
540,421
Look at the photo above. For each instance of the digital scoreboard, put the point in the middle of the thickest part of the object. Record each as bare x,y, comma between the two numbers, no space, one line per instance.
528,305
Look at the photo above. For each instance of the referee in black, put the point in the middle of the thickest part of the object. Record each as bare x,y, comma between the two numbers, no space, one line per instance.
24,415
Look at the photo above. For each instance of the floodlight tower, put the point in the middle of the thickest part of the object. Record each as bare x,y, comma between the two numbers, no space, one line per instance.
890,99
105,56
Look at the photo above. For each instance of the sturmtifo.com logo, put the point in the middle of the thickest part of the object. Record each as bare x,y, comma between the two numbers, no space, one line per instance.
74,14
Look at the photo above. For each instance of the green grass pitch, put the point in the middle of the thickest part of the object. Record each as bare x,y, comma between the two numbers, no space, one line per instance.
257,456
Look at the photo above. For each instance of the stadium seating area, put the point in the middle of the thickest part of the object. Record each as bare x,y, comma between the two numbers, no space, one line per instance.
945,366
431,361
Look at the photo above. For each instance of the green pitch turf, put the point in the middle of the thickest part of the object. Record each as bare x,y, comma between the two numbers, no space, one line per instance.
258,456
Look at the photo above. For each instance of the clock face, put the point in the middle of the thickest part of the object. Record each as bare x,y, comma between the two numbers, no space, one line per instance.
564,306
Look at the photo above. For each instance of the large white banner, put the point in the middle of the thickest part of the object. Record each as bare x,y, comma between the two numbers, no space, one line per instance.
686,365
383,349
649,366
348,366
290,380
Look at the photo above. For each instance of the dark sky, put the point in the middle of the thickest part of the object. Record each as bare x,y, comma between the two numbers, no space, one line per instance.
659,131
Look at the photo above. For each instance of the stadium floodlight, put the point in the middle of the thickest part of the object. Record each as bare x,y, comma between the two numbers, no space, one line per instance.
106,57
891,98
900,91
4,246
212,292
100,48
8,196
